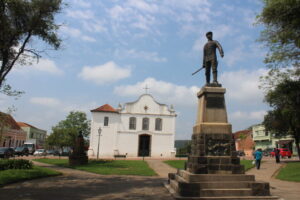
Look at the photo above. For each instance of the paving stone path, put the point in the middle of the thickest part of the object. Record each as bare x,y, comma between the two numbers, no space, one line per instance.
161,168
285,189
80,185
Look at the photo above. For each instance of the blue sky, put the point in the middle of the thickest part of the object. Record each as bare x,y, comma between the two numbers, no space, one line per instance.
112,48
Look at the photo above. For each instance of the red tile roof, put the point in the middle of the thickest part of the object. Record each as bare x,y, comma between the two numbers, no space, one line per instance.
9,121
105,108
23,124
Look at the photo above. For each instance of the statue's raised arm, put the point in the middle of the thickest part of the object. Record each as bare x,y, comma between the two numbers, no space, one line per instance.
210,58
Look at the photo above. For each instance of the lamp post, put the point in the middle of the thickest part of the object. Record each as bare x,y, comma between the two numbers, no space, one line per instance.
99,134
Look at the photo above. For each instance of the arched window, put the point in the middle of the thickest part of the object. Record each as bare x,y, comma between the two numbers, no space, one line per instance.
132,123
145,124
106,119
158,124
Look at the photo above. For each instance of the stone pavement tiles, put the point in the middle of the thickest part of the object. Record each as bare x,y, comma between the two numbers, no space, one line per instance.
80,185
161,168
285,189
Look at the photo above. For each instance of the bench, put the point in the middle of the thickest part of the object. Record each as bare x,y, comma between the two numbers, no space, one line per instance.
120,156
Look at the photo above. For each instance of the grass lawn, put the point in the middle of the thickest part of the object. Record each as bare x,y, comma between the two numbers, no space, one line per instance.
179,164
291,172
107,167
15,175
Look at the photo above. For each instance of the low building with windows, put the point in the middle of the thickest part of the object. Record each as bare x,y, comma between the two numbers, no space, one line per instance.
141,128
266,140
11,134
34,134
261,137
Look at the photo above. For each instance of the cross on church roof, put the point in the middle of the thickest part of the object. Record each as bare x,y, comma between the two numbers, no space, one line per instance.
146,89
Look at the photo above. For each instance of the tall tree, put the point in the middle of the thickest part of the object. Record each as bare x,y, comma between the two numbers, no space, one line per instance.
281,19
66,131
20,22
284,119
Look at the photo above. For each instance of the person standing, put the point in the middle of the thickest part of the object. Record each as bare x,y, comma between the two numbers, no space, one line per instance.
277,155
258,156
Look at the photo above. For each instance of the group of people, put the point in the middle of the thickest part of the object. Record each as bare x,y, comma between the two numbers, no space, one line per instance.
258,156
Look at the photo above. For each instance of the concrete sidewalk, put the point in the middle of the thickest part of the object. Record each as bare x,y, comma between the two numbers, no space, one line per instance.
161,168
285,189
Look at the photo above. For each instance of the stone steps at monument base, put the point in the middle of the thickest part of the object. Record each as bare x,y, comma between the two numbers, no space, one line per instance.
189,190
228,198
225,192
215,184
172,189
189,177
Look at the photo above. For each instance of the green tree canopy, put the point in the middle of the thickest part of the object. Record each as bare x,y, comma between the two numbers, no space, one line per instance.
66,131
284,119
281,19
20,22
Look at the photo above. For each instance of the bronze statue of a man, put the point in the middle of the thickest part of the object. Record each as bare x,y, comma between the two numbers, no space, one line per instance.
210,57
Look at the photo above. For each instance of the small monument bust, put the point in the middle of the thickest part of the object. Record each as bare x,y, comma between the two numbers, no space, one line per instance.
78,156
210,59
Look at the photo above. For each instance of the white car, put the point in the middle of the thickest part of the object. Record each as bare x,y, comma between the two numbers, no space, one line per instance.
40,152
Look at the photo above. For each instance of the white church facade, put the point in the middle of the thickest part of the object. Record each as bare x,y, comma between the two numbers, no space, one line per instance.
141,128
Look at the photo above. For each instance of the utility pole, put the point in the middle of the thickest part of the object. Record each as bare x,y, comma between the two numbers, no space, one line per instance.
99,134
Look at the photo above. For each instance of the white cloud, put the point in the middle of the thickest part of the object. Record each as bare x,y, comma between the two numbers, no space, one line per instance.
76,33
45,101
82,3
107,73
243,85
132,53
47,65
243,52
143,6
254,115
148,16
94,26
44,65
88,38
80,14
86,107
163,91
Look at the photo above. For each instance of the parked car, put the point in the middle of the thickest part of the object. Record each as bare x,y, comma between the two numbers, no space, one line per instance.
267,152
284,152
40,152
22,151
31,147
241,153
6,152
52,152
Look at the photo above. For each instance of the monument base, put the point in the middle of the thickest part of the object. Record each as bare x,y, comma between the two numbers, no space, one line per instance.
189,186
78,160
213,170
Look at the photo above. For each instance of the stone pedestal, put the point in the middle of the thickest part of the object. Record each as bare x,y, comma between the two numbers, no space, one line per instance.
213,148
213,170
78,156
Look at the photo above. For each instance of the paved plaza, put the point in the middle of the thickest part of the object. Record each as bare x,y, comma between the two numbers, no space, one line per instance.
79,185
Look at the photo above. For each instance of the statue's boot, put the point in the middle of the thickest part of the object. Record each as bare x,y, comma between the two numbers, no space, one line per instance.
215,75
207,75
207,79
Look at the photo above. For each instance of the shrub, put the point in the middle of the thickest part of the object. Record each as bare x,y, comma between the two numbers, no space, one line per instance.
15,164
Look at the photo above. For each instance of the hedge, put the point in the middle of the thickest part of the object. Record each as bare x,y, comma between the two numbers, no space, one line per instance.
15,164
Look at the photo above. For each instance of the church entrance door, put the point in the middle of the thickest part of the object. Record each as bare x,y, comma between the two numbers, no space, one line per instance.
144,145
